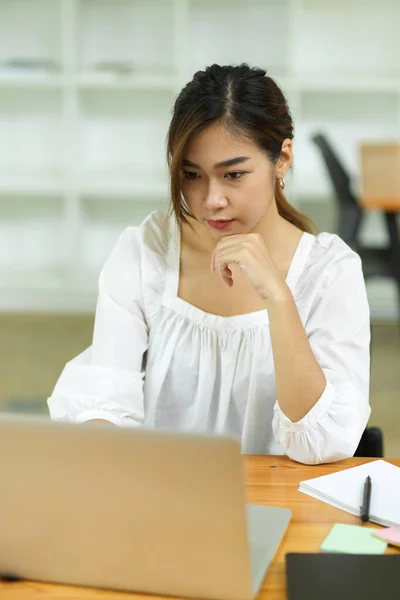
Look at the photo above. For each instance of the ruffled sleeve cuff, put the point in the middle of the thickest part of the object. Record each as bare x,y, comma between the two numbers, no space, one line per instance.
284,424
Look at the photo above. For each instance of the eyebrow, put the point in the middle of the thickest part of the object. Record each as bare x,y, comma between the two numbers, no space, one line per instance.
225,163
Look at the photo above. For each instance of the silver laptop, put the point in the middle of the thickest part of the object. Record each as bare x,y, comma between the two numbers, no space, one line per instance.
136,510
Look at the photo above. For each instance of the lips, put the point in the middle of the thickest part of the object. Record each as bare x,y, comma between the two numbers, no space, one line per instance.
220,224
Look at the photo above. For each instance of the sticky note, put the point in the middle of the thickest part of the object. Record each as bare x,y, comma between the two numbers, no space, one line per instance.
390,535
353,540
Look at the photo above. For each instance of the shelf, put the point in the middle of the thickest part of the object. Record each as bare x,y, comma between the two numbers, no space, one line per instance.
82,141
91,81
32,136
112,214
348,37
22,279
32,237
32,183
30,29
137,32
350,108
46,290
31,80
123,132
123,184
103,222
102,184
107,80
319,82
131,82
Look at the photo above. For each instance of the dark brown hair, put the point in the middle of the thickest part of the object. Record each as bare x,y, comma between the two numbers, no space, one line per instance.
247,102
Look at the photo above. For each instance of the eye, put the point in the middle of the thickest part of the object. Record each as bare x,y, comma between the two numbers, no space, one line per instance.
235,175
190,175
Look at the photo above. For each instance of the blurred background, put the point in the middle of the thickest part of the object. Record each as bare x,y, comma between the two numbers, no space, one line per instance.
86,90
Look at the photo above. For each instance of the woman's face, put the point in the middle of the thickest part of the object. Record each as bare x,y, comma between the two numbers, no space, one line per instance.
228,182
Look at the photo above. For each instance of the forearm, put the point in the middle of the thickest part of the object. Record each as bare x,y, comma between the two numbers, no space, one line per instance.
300,380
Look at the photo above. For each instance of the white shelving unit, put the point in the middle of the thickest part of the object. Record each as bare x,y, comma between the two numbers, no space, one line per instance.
82,149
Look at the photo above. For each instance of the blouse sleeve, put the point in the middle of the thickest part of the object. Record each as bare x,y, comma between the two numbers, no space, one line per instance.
106,381
338,329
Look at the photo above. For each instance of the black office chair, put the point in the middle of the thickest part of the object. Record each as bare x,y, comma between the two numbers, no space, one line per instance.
371,443
377,262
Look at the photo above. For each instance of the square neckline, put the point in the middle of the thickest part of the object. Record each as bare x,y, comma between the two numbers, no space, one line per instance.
193,313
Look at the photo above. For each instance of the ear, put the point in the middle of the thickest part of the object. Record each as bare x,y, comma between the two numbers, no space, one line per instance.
285,159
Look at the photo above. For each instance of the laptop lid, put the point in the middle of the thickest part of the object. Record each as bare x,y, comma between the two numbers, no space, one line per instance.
150,511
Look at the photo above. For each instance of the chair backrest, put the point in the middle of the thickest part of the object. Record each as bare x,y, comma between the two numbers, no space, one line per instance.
349,211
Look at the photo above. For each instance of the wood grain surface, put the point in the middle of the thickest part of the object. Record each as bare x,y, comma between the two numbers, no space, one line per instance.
270,480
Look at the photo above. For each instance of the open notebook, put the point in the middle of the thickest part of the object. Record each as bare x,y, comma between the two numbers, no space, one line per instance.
344,490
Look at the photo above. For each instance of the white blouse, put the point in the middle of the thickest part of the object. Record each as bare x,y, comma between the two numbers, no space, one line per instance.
158,361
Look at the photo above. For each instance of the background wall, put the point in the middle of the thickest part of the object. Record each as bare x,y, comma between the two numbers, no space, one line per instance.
86,90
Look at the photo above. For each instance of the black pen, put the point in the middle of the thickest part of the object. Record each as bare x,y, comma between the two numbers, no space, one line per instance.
366,500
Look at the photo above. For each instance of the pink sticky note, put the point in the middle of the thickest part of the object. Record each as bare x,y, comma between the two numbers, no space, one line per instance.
390,535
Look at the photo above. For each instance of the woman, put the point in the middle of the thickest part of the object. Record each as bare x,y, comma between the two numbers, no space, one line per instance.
229,316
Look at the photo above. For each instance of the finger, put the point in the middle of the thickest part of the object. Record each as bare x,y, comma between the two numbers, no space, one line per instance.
224,272
226,276
216,255
228,281
238,238
230,241
222,267
228,256
232,252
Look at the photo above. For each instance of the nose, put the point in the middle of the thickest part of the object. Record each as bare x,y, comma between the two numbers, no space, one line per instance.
214,197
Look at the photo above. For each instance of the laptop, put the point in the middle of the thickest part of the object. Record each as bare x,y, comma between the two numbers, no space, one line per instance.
157,512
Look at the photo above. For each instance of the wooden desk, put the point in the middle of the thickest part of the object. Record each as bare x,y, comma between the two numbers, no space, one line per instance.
384,204
270,480
380,176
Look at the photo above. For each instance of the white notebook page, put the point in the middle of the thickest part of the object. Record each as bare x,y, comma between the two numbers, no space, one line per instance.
344,490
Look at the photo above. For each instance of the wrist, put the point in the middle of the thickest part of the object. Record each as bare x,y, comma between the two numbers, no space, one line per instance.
279,297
